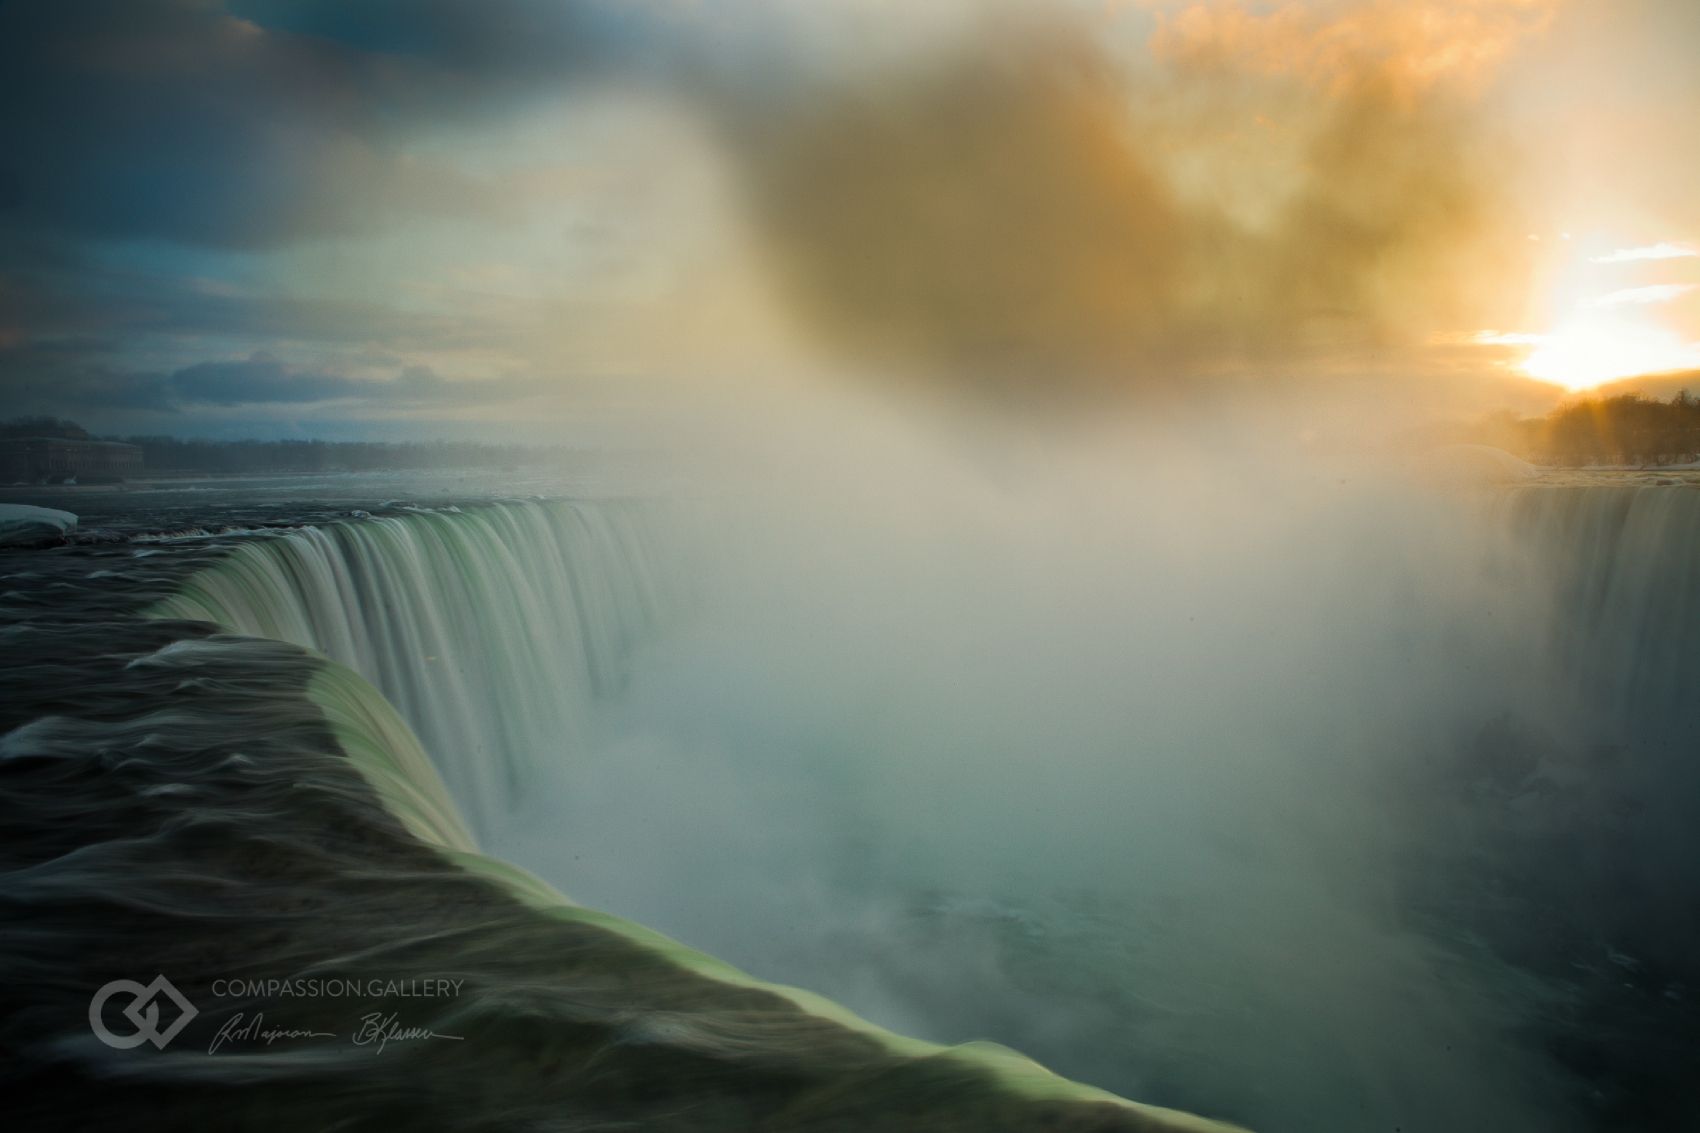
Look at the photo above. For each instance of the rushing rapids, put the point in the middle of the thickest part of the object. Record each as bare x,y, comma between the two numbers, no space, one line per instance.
235,807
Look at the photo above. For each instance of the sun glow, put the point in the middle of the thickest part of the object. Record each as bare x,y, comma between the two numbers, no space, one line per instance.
1603,346
1610,316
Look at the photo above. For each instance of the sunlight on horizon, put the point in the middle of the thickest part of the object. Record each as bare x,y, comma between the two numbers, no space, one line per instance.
1594,350
1599,330
1591,351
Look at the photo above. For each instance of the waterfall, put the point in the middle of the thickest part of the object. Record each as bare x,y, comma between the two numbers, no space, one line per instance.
1439,749
1623,563
1622,634
256,830
493,630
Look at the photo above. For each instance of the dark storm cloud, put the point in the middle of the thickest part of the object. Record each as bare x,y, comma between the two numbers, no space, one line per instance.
67,322
253,126
505,41
72,376
244,127
172,119
258,380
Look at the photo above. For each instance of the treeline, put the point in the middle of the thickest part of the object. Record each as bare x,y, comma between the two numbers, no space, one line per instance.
164,455
1626,429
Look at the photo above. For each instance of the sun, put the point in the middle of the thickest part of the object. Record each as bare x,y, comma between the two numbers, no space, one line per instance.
1599,347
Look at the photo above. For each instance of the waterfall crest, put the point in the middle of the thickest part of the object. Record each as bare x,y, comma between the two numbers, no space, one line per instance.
492,630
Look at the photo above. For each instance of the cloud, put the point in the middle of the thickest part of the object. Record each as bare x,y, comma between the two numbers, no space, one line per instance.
64,378
1336,44
507,41
987,213
263,380
172,119
170,169
88,299
258,379
1654,293
987,193
1661,251
1024,213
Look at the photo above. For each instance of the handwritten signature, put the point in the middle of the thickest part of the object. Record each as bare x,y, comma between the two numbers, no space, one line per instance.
238,1028
375,1030
378,1029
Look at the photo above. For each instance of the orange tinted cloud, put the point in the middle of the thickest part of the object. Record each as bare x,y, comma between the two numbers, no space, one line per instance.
1412,46
1023,214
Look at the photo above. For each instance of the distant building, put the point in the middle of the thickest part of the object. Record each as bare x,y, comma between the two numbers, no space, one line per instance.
54,460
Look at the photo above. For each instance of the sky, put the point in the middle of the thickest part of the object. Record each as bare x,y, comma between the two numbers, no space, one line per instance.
526,218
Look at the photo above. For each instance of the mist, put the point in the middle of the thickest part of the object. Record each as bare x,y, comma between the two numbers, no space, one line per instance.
1119,746
1070,662
1023,205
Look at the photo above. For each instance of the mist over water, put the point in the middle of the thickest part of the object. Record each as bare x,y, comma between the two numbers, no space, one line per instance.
1207,763
1115,751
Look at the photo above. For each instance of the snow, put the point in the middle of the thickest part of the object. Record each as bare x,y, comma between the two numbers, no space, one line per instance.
1476,464
24,526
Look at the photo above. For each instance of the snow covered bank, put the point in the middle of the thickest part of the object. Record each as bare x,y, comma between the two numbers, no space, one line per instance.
24,526
1474,464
